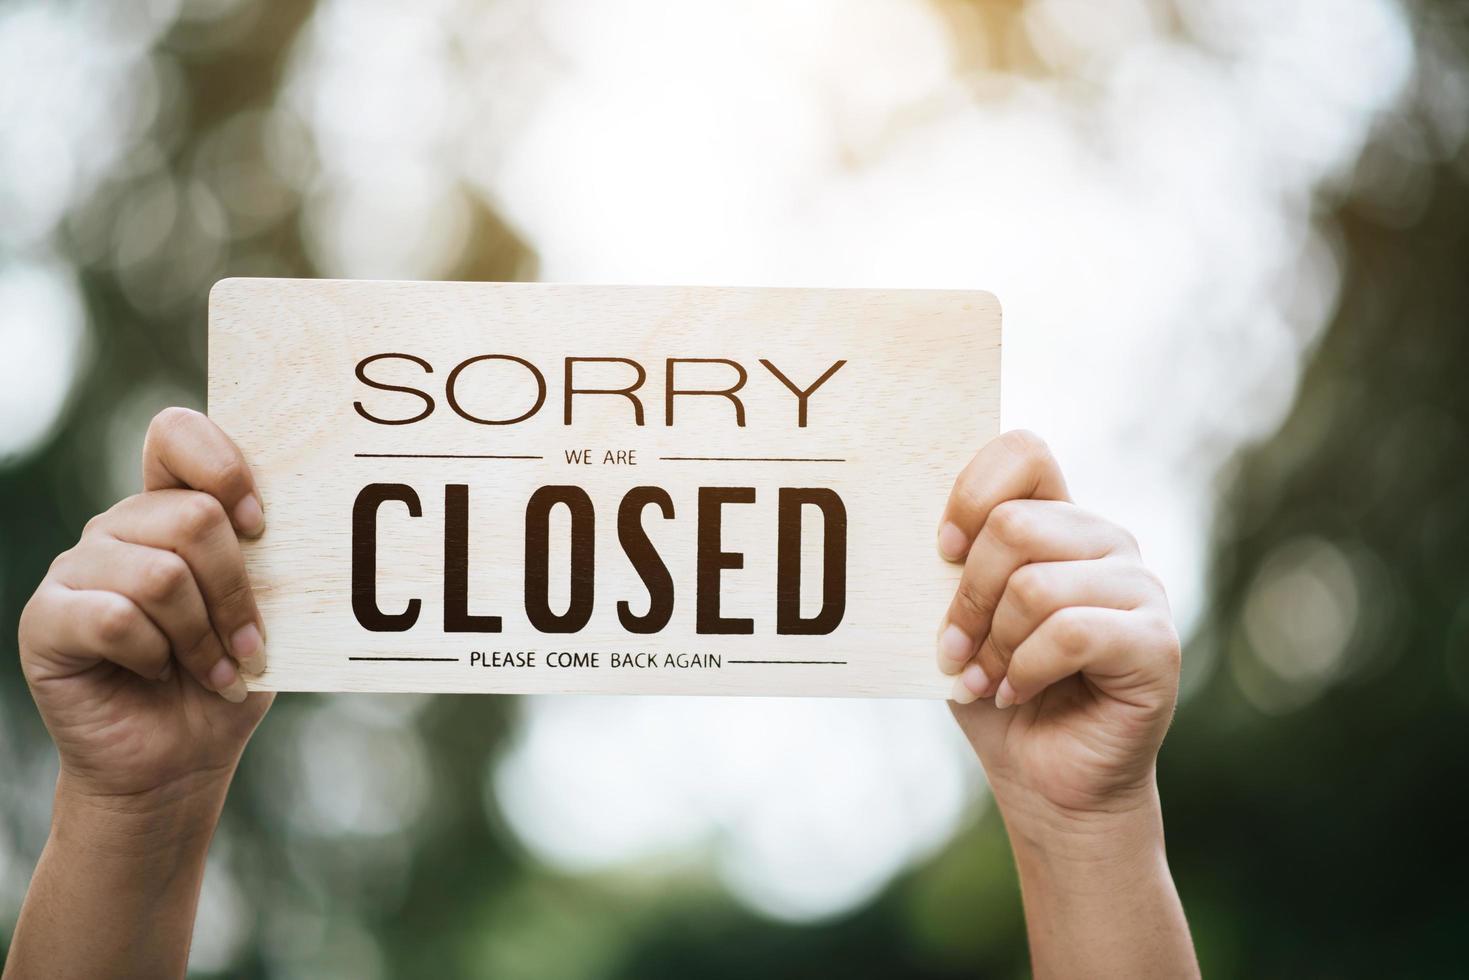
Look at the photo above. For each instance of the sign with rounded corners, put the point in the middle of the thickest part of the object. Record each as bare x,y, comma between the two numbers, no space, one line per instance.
544,488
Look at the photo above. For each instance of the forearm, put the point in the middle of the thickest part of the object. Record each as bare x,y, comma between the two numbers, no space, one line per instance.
1099,898
117,885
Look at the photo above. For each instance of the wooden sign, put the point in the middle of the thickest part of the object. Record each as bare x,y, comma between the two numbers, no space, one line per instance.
552,488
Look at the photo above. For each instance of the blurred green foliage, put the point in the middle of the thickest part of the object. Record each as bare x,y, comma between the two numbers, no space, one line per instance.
1319,839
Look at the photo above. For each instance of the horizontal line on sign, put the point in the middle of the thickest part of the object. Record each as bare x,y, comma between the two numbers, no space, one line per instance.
438,456
832,662
442,660
751,459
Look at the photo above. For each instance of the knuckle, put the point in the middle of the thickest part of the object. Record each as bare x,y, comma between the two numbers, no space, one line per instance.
115,621
1010,522
58,565
234,596
1169,645
1153,582
162,577
94,524
98,524
1030,589
170,420
967,494
1025,444
969,604
1143,586
1070,632
231,473
1126,540
198,515
1119,541
27,627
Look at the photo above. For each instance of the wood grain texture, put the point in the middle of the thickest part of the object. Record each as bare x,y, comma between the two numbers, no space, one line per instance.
917,395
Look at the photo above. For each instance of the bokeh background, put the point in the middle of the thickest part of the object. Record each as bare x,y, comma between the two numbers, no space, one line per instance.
1229,236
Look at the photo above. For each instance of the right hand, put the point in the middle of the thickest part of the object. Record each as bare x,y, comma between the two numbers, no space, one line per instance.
1058,620
134,642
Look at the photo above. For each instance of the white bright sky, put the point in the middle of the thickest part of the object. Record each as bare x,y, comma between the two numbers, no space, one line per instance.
1145,219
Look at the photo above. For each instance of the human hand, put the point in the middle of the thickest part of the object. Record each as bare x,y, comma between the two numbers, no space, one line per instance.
133,642
1057,621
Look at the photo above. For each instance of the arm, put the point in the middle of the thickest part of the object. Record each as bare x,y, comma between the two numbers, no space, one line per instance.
115,890
1099,899
133,648
1066,675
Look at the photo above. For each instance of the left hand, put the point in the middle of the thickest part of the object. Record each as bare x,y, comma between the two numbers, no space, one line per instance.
132,647
134,642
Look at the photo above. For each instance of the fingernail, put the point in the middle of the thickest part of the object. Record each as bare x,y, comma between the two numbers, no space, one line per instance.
1005,696
249,518
977,680
166,674
961,694
955,647
248,648
953,542
225,679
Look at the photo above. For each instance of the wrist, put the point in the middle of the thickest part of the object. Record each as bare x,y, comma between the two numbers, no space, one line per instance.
174,820
1124,830
1099,898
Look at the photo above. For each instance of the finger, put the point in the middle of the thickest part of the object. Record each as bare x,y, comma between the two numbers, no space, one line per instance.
85,627
1036,591
1131,655
1015,465
162,586
194,525
185,449
1016,533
